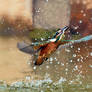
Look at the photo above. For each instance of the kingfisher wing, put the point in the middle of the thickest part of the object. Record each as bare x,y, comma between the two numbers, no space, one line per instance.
84,39
27,48
31,48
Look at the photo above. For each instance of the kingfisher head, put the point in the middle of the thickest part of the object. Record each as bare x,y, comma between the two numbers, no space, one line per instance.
60,34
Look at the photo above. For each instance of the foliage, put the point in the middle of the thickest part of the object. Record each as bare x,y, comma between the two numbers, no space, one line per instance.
41,33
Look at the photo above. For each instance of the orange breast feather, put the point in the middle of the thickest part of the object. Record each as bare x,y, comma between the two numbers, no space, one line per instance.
45,52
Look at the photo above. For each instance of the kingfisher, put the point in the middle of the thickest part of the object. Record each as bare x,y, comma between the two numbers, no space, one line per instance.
46,48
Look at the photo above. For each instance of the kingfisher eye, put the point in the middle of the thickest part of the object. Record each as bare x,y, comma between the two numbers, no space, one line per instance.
57,33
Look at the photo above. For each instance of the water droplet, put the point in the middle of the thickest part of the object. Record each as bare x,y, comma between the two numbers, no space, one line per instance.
28,62
90,66
80,21
78,59
81,57
58,62
91,54
76,27
38,10
76,67
71,46
34,67
42,39
55,58
61,80
78,48
91,18
42,91
82,11
51,59
47,67
66,69
71,61
74,55
62,64
84,14
51,62
27,77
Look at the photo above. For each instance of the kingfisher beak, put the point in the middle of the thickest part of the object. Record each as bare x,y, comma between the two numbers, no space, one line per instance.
63,30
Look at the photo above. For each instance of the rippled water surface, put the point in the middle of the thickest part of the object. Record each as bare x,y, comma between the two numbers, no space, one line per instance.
68,69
